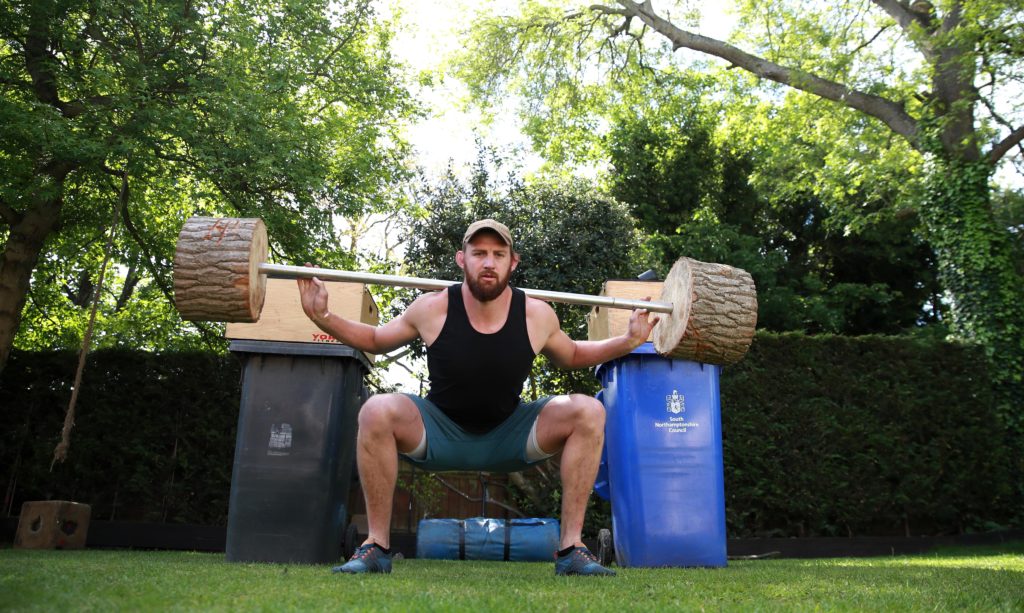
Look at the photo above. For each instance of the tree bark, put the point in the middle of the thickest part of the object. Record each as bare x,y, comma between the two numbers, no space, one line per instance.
215,269
715,313
18,260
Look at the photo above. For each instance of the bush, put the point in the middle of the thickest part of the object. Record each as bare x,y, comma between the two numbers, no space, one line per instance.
822,436
154,437
868,435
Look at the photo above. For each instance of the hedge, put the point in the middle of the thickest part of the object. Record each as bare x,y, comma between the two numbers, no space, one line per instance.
868,435
822,436
153,438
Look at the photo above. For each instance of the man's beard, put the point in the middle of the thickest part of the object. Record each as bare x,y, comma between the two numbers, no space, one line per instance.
486,294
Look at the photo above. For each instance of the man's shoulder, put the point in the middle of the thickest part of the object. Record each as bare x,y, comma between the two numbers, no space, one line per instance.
430,303
542,323
540,310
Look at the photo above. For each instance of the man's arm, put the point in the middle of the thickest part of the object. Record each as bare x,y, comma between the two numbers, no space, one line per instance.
364,337
567,353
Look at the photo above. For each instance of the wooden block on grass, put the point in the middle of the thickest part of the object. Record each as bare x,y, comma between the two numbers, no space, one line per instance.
52,524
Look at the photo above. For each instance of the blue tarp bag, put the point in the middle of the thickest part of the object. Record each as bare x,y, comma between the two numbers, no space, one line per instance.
530,539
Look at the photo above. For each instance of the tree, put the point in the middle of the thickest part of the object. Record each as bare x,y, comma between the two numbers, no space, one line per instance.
692,194
937,76
167,108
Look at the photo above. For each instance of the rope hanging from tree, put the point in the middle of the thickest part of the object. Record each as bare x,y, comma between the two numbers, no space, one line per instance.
60,452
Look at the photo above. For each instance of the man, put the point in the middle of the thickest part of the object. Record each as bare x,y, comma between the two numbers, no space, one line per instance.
482,337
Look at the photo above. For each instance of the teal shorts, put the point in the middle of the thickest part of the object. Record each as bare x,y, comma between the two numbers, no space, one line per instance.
503,449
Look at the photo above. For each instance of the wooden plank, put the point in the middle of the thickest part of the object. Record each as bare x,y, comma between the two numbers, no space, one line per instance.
283,319
605,323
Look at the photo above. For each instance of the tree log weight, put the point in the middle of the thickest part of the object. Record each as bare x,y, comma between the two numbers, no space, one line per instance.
709,311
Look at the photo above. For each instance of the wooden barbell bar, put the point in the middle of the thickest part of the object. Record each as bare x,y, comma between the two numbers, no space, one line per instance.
220,274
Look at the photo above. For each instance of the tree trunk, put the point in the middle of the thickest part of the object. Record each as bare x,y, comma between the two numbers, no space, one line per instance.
17,262
976,269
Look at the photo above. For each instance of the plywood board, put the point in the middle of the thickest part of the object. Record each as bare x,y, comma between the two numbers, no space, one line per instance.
603,322
283,319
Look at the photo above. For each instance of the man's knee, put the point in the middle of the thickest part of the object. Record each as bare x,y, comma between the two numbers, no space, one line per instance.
380,412
588,413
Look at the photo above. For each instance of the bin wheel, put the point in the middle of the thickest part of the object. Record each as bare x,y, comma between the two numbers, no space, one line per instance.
605,549
349,546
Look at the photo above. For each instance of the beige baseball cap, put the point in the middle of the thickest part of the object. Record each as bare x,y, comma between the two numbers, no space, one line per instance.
488,224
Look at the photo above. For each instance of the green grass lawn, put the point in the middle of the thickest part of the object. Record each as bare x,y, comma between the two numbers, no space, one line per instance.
975,579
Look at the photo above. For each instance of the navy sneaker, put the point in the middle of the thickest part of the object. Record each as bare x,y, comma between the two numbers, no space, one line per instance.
580,561
367,559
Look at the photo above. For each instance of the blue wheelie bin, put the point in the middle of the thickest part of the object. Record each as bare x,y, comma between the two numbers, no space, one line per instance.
662,465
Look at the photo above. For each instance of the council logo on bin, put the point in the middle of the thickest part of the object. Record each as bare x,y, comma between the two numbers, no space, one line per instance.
675,403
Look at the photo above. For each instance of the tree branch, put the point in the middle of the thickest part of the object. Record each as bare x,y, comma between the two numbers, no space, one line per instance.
37,59
10,215
607,10
953,19
18,83
900,11
992,110
868,42
75,108
890,113
38,64
148,258
131,279
390,359
1002,147
361,10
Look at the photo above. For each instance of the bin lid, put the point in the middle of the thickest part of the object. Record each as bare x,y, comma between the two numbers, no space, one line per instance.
645,349
325,350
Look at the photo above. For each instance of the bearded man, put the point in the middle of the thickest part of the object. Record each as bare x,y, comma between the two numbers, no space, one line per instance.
482,336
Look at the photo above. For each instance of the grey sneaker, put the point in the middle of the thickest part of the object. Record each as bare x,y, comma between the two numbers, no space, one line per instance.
580,561
367,559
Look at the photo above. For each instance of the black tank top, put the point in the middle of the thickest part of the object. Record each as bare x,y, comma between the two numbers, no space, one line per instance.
476,378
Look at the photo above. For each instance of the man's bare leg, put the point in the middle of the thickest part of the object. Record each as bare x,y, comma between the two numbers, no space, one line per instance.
388,424
574,424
